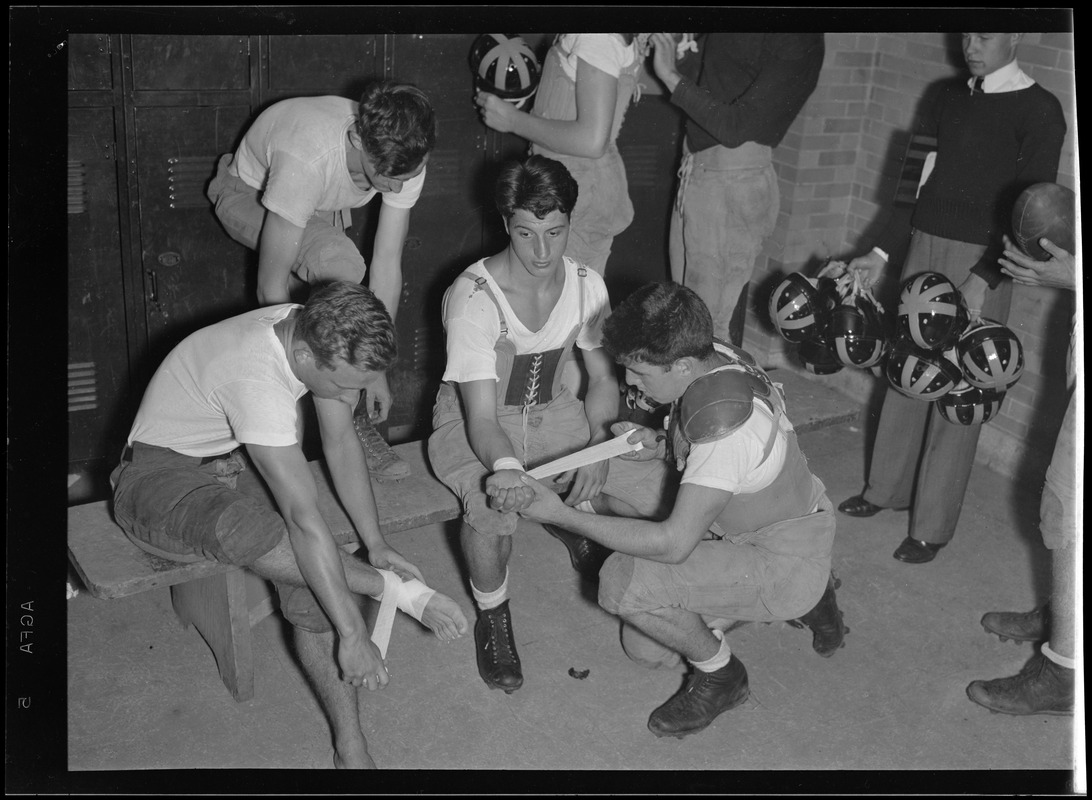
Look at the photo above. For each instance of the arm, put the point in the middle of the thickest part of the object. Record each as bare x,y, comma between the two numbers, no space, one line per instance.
785,81
287,475
670,541
385,280
490,443
278,250
587,136
349,473
601,409
1037,162
385,271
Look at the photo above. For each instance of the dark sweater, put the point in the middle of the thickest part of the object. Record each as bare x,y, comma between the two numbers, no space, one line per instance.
746,87
990,147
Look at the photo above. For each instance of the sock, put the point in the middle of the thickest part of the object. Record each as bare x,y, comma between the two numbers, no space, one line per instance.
488,600
586,505
1061,661
723,656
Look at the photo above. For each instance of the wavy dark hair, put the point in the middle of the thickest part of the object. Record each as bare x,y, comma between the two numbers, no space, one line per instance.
537,184
346,320
658,324
397,126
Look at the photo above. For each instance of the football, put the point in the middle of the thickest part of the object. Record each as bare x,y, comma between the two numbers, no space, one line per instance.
1044,210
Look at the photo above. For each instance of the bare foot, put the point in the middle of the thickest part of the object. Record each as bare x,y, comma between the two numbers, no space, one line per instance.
353,756
443,617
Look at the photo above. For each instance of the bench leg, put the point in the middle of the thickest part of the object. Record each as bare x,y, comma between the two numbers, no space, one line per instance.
217,607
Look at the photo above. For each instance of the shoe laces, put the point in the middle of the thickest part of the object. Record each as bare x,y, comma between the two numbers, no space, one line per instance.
500,637
375,447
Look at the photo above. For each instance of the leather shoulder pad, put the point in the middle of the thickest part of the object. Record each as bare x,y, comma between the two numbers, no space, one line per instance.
718,403
738,353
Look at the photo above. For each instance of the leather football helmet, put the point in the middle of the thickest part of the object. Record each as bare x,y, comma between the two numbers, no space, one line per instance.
818,358
991,356
931,311
922,374
969,405
857,332
796,309
504,65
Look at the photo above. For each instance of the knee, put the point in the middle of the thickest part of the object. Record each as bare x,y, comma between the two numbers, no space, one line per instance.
483,524
332,256
643,650
614,579
302,610
246,530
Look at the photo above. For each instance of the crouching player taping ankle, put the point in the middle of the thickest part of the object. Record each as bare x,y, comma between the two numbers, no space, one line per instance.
213,469
749,535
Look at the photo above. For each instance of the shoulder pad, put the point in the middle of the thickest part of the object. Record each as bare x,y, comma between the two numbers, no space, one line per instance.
738,353
718,403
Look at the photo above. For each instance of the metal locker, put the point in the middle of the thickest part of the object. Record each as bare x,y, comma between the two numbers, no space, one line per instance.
98,354
188,100
447,227
194,273
297,66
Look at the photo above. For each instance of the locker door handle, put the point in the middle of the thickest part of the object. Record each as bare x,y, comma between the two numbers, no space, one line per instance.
153,285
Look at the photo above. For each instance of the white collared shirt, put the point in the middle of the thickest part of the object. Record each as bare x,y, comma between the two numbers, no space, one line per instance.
1009,78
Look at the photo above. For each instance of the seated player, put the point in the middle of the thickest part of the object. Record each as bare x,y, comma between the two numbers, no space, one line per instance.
511,321
225,399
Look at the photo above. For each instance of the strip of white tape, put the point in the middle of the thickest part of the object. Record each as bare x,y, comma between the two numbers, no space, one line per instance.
589,455
410,596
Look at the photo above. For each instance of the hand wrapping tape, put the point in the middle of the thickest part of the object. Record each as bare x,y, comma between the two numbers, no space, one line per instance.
589,455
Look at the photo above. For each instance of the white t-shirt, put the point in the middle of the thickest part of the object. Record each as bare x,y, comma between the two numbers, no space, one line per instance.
473,325
294,153
732,464
223,386
605,51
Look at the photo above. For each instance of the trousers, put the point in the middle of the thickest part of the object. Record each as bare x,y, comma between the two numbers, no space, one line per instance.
726,206
919,459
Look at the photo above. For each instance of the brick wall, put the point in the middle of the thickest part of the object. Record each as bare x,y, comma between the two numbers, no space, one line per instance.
836,170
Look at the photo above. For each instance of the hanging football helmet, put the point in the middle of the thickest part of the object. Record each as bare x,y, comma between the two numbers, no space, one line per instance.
830,297
504,65
795,309
857,331
818,358
931,311
922,374
991,356
969,405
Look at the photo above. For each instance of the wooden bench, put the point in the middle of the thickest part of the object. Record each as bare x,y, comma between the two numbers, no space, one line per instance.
223,602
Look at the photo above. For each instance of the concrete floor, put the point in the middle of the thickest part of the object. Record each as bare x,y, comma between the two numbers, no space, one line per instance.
144,694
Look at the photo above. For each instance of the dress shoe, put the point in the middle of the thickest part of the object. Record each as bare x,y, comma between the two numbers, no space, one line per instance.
825,620
915,551
587,557
498,661
705,696
1032,626
1041,687
857,506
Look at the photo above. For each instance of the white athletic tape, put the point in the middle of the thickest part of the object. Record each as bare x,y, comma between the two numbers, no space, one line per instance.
410,596
589,455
